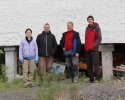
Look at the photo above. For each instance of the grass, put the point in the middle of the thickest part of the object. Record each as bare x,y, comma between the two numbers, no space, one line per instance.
3,77
53,86
4,85
15,85
50,88
48,91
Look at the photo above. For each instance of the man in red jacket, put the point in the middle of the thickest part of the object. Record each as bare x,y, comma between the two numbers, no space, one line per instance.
92,41
70,42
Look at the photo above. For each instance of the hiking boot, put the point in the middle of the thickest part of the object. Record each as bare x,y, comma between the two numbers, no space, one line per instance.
26,85
91,80
75,81
96,81
31,85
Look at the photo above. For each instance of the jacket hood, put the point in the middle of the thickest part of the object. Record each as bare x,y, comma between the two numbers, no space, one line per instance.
95,25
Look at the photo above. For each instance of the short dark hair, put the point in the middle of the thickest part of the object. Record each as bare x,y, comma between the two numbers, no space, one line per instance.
28,29
46,24
90,16
70,23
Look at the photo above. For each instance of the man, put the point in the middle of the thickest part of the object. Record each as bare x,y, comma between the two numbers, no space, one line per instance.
28,56
92,41
70,42
47,45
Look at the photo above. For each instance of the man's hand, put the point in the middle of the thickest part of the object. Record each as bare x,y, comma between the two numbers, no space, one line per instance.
77,55
63,49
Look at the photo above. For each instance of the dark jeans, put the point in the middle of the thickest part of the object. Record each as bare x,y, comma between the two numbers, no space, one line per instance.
73,69
93,65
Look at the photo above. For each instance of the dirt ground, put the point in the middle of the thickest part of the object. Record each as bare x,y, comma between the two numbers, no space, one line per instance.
113,90
29,94
103,91
17,96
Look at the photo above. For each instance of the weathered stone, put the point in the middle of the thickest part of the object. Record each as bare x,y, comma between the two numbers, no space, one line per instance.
10,62
107,61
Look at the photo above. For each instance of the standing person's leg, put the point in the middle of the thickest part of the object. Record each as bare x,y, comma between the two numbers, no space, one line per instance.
42,67
49,63
25,72
75,61
95,59
68,64
31,71
89,66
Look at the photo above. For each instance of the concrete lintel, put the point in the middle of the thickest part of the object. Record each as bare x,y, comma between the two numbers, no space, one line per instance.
7,49
106,47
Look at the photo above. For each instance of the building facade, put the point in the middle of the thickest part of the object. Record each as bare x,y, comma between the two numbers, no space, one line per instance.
17,15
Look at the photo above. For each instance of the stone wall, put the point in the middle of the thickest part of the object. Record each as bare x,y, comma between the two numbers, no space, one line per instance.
17,15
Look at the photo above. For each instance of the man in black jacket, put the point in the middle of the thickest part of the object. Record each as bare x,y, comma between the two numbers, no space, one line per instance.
70,42
47,45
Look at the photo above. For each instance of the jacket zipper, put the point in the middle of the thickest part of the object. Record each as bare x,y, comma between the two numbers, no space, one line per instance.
46,46
29,48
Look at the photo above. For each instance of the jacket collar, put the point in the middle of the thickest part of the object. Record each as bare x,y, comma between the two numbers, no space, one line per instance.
28,39
46,32
92,27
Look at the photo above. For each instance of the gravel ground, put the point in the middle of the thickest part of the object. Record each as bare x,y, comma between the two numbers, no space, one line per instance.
16,96
114,90
29,94
103,91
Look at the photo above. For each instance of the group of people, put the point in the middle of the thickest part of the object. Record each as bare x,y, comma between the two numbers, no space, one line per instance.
42,51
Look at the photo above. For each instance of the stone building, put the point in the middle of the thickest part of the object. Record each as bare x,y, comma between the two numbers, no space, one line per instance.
17,15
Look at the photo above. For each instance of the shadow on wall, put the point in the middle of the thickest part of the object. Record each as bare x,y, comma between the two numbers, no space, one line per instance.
2,56
119,54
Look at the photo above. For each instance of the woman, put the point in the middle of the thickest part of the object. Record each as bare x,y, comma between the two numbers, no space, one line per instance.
28,56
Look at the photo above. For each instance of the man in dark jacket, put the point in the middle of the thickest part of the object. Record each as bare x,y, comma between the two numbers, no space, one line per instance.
47,45
70,42
92,41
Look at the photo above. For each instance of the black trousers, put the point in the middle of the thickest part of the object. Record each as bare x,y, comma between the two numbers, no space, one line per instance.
92,58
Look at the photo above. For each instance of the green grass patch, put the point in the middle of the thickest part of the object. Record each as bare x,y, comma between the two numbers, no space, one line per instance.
53,85
15,85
